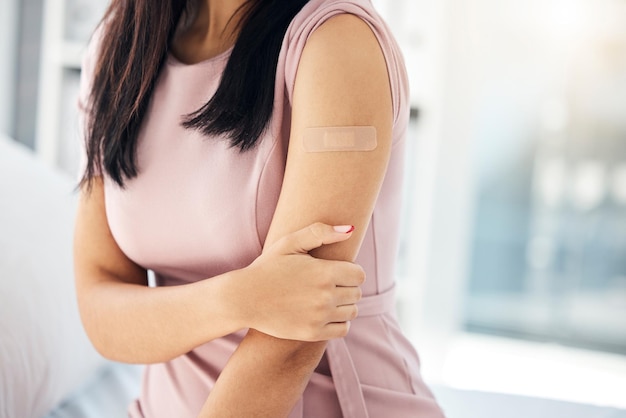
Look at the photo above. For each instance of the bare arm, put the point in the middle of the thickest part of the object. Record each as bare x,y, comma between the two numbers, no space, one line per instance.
341,83
127,321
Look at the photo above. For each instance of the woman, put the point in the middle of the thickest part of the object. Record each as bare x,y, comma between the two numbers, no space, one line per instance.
202,165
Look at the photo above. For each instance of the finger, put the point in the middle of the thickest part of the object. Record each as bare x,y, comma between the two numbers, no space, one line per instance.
316,235
347,295
344,313
334,330
348,274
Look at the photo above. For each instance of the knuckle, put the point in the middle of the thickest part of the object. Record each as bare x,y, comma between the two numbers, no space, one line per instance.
361,275
301,332
306,335
318,226
326,300
284,243
317,230
343,330
330,298
320,308
312,333
355,312
325,280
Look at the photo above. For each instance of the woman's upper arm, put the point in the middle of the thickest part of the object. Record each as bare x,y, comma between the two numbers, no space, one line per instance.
97,257
342,80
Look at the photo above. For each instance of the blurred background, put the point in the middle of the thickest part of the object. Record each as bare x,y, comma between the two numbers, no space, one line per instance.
512,265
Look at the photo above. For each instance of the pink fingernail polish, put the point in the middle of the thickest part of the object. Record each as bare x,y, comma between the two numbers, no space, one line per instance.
346,229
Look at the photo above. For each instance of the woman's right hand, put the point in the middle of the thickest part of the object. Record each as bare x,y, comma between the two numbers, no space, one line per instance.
296,296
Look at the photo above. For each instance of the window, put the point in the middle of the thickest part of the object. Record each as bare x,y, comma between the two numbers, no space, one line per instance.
515,218
548,240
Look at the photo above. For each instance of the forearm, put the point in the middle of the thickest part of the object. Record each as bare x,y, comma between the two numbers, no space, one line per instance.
137,324
128,321
263,378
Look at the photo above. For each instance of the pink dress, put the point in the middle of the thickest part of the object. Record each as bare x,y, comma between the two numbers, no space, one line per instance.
199,208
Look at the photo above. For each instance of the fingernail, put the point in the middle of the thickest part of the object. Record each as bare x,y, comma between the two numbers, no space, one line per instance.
346,229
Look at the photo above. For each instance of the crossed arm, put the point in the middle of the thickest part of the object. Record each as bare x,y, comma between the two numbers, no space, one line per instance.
342,80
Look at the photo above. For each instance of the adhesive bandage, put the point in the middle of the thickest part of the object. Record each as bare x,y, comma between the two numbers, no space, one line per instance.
339,138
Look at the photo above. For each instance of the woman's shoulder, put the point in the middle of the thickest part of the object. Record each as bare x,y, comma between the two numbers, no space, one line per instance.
317,12
336,17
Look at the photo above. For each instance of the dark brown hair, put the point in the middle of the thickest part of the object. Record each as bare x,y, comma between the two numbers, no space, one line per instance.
133,48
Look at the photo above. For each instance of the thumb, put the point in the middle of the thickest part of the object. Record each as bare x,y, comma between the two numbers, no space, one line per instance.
315,235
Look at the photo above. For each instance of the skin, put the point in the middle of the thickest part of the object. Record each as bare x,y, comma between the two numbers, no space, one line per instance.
127,321
302,257
338,84
211,33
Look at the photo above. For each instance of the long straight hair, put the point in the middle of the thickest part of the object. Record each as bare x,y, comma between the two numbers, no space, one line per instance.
134,45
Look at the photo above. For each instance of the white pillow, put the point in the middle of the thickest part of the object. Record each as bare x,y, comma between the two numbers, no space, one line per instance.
44,353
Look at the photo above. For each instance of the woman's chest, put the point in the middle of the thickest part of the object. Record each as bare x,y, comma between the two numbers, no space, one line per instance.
198,207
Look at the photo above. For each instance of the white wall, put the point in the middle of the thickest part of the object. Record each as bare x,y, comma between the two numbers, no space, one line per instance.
9,12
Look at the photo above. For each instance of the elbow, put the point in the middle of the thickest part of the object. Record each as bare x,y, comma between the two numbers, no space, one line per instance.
105,350
104,344
121,347
108,343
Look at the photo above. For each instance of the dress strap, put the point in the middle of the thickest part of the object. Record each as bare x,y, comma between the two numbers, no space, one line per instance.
345,376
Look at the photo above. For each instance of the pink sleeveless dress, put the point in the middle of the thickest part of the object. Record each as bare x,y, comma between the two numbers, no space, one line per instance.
199,208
